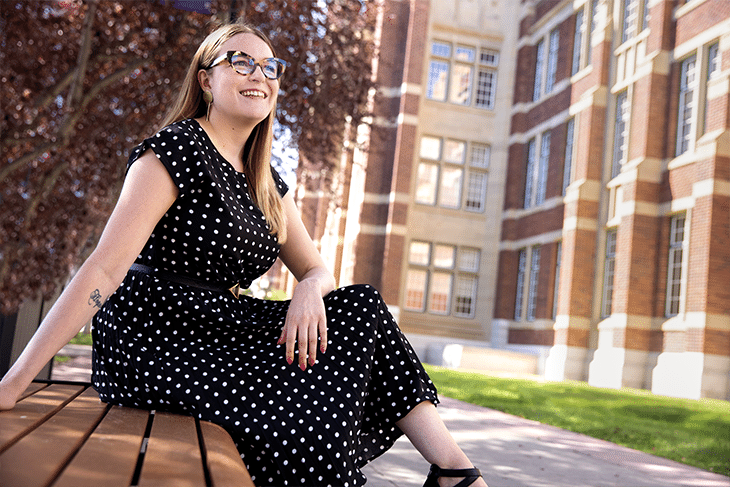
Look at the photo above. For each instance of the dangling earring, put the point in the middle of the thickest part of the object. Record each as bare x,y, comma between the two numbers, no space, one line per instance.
208,98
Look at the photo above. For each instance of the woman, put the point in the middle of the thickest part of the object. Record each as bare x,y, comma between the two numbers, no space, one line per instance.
305,387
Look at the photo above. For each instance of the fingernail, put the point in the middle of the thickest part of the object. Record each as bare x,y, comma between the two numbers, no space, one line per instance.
303,367
311,362
289,360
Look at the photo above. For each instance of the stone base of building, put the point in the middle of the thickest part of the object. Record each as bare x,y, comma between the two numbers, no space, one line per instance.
692,375
617,367
567,363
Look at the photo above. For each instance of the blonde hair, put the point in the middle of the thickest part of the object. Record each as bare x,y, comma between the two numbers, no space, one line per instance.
257,151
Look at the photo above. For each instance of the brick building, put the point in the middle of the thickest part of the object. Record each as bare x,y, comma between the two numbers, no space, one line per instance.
615,247
550,177
418,214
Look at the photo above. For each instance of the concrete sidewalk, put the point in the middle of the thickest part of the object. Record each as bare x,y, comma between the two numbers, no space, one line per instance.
512,451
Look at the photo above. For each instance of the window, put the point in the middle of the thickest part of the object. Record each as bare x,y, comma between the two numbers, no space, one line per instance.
454,74
552,64
695,74
687,105
594,17
486,82
520,291
633,11
546,65
532,285
442,279
528,274
578,40
476,190
426,184
445,180
416,290
609,268
542,168
678,237
569,154
539,67
620,133
556,281
585,25
465,294
450,187
536,173
461,78
529,175
486,88
631,14
713,70
438,71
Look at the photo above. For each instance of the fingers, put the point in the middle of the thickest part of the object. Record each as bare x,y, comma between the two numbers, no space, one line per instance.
304,340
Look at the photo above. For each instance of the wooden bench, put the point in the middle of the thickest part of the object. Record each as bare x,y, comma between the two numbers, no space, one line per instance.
60,434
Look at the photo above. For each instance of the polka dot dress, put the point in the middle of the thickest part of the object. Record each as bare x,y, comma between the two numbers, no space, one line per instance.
167,346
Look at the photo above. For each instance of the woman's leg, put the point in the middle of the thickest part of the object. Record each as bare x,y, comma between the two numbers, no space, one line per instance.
428,434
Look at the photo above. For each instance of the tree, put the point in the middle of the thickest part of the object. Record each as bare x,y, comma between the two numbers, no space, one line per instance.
84,81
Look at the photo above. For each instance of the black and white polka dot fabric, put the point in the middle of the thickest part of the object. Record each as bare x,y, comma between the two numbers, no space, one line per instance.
166,346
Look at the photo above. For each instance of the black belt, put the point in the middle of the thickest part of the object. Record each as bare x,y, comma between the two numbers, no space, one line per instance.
184,280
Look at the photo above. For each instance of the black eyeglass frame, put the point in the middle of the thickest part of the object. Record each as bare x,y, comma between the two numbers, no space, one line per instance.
228,56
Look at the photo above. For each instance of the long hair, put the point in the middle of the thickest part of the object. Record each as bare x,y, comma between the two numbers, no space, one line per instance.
257,151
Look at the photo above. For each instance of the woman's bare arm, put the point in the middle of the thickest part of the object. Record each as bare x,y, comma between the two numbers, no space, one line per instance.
147,194
306,319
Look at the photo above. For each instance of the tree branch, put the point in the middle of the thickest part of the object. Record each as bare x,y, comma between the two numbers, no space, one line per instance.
68,127
84,53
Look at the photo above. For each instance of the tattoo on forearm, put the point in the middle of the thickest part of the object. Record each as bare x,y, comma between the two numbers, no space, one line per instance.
95,299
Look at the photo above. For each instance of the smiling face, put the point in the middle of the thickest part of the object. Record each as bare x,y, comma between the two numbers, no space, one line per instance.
246,98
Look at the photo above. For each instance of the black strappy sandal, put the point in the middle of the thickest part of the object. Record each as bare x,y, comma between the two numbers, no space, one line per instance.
470,474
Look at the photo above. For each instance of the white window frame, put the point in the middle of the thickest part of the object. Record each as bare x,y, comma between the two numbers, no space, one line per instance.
472,180
579,39
609,272
552,60
570,149
713,66
687,105
585,23
481,87
634,18
556,279
440,58
533,283
677,258
520,290
621,132
540,56
460,269
538,159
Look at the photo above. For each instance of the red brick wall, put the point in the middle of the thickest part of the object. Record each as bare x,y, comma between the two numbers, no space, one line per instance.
701,18
506,285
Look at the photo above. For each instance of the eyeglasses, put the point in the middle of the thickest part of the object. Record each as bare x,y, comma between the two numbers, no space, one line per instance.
244,64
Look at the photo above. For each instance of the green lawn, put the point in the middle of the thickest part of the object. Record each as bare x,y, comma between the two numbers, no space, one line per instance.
81,339
692,432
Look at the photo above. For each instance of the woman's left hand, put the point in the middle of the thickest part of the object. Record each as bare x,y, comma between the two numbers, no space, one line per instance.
305,325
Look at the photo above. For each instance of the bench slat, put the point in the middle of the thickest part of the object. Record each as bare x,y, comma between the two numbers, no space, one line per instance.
32,411
173,453
55,442
109,456
224,463
32,389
